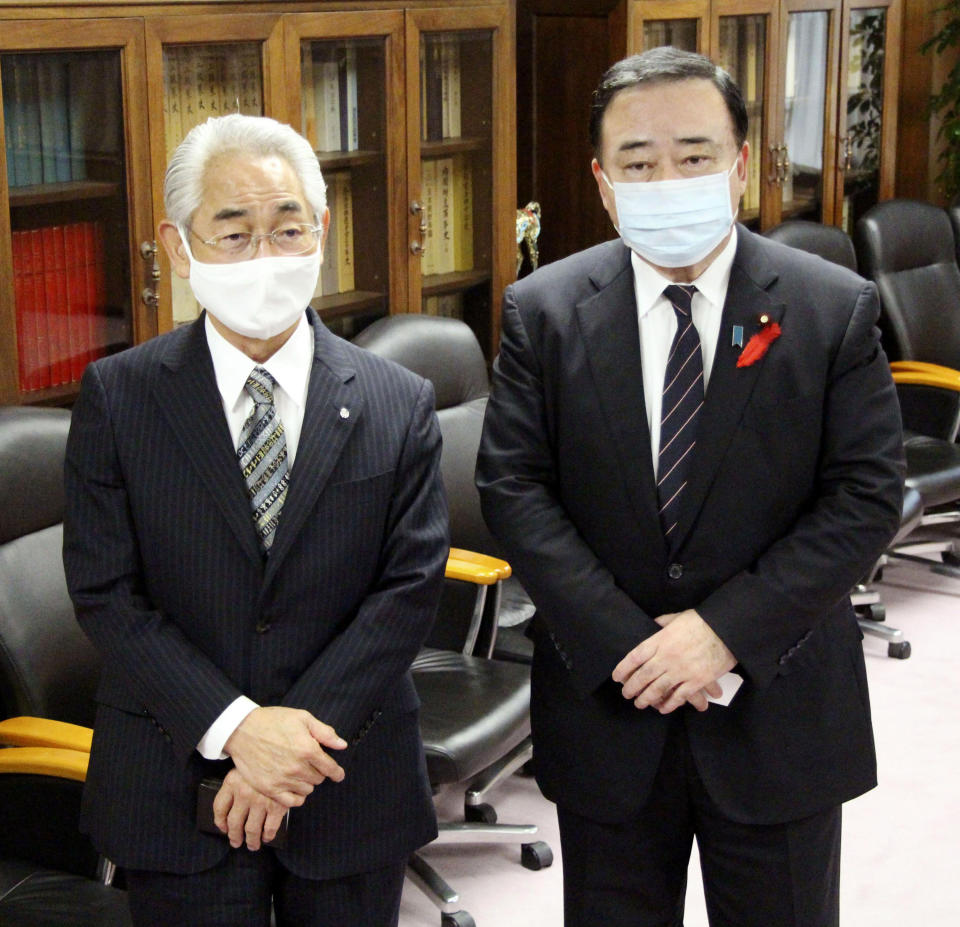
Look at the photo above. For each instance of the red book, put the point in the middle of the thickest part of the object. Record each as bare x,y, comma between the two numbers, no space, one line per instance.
40,378
96,287
19,245
55,291
78,308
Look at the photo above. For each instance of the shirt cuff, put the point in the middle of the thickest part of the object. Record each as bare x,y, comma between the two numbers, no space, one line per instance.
211,744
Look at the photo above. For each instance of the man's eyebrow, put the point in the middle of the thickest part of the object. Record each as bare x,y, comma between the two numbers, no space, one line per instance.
634,143
696,140
238,212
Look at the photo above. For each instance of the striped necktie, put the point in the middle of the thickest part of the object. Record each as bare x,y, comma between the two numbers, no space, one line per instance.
681,403
263,457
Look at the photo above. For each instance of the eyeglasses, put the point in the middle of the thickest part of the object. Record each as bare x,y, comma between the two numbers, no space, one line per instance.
288,239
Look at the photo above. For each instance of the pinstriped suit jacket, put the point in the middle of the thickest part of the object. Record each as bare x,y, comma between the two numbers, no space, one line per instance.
166,575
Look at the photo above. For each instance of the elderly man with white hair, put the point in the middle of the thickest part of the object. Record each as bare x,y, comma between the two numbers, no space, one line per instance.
254,540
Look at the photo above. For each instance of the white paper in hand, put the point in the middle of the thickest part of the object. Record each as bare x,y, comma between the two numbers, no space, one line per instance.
730,683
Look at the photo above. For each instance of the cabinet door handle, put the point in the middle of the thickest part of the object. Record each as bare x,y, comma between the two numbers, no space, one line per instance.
148,295
418,247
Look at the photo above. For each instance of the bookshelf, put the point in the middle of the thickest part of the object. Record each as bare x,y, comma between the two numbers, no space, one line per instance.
96,95
791,59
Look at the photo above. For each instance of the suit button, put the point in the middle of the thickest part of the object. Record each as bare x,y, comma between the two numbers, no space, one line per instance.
263,626
675,571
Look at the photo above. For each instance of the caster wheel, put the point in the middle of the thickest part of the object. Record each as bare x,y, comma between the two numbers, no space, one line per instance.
457,919
899,650
480,814
536,856
875,612
950,558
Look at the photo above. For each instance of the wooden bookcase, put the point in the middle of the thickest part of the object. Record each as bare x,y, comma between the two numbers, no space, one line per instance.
822,135
416,139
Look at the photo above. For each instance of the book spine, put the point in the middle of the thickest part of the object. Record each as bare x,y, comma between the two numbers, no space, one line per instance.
463,212
251,102
428,183
454,82
189,88
10,117
345,266
41,355
352,136
329,280
97,288
445,231
331,106
308,105
172,128
434,91
18,244
78,310
27,144
54,125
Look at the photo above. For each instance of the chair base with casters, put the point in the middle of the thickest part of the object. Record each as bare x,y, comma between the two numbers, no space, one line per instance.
865,598
481,736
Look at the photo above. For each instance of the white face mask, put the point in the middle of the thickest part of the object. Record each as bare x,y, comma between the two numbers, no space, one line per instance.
258,298
674,223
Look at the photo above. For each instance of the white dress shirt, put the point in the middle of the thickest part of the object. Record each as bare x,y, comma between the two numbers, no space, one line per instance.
658,325
290,367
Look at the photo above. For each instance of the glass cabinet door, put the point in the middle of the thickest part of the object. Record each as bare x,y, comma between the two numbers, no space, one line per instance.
348,71
742,34
867,109
461,260
682,23
191,82
70,287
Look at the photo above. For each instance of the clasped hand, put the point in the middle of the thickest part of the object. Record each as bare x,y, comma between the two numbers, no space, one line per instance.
278,760
679,664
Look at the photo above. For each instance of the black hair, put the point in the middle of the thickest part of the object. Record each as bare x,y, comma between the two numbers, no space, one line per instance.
662,65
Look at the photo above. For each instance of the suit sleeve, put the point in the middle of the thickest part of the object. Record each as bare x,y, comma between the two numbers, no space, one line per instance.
171,679
764,611
353,677
516,476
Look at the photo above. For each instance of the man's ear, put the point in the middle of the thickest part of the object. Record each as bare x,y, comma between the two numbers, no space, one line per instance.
325,222
173,244
606,194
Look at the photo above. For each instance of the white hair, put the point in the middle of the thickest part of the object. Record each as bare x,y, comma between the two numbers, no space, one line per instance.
244,135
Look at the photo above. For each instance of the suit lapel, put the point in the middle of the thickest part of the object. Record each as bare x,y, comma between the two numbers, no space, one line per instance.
187,393
730,387
611,336
333,407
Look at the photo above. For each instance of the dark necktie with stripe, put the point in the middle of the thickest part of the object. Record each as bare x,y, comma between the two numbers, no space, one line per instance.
263,457
682,402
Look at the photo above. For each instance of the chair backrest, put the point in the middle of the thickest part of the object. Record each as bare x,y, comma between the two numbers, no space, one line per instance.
48,667
953,211
446,352
831,243
907,248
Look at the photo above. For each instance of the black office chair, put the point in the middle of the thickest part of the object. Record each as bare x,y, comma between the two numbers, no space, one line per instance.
475,714
50,875
907,248
831,243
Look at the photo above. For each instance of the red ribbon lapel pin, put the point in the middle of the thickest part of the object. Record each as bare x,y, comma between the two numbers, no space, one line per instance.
760,343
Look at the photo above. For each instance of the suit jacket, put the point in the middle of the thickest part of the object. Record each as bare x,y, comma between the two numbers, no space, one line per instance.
795,489
168,580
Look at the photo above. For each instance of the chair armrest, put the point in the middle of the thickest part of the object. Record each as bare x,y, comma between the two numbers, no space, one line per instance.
44,732
45,761
475,568
919,373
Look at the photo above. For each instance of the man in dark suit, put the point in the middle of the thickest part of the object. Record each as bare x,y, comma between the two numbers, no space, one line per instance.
255,539
688,480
